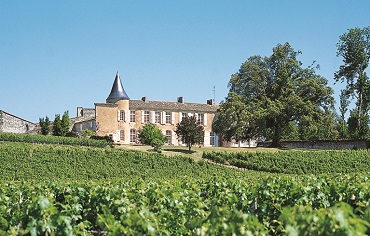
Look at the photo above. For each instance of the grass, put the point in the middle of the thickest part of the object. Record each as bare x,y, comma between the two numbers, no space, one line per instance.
196,152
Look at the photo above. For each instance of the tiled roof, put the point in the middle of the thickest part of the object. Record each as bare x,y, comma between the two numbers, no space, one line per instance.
172,106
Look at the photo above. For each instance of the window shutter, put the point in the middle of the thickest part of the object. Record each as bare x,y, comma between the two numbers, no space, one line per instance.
118,115
172,117
152,117
163,118
125,115
207,138
205,119
172,138
142,117
180,117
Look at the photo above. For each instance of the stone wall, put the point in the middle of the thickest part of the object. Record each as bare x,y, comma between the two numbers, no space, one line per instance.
324,144
13,124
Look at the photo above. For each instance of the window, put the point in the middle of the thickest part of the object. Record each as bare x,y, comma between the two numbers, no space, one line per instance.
212,139
133,135
146,117
184,115
200,119
121,115
169,137
168,117
122,135
132,116
158,117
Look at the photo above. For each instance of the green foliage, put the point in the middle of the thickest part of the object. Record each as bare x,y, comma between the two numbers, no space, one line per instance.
343,108
45,125
277,90
307,205
321,127
354,48
86,133
61,125
235,121
64,124
20,160
354,129
296,162
57,126
337,220
152,135
41,139
189,131
91,191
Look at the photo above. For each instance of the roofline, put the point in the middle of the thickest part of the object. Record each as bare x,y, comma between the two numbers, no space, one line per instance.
106,104
17,117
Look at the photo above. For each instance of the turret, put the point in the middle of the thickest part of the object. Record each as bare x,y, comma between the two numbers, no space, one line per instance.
118,92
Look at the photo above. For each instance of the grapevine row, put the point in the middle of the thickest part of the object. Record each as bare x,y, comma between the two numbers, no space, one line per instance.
296,162
274,205
47,139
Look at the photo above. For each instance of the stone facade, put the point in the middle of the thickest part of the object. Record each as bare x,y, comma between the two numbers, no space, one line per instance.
13,124
122,120
85,120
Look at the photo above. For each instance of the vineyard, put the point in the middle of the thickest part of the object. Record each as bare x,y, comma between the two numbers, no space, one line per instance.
46,139
71,190
296,162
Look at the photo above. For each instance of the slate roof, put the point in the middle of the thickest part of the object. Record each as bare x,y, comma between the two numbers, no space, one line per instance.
118,92
172,106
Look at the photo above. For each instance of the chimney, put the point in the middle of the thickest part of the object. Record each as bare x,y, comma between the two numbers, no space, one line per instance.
211,102
80,112
180,99
145,99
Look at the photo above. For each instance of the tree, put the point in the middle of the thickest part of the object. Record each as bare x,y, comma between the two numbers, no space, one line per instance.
57,126
235,121
65,124
353,127
189,131
277,90
152,135
343,108
45,125
322,127
354,47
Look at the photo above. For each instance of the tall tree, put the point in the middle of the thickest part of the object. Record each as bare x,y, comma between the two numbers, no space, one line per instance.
190,131
277,90
65,124
354,47
57,126
45,125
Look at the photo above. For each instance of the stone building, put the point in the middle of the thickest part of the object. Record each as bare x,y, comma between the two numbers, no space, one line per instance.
121,118
14,124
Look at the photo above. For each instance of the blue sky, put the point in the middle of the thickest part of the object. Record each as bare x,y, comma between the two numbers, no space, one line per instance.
58,55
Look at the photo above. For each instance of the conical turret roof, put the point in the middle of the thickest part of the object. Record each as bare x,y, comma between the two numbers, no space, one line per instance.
117,93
